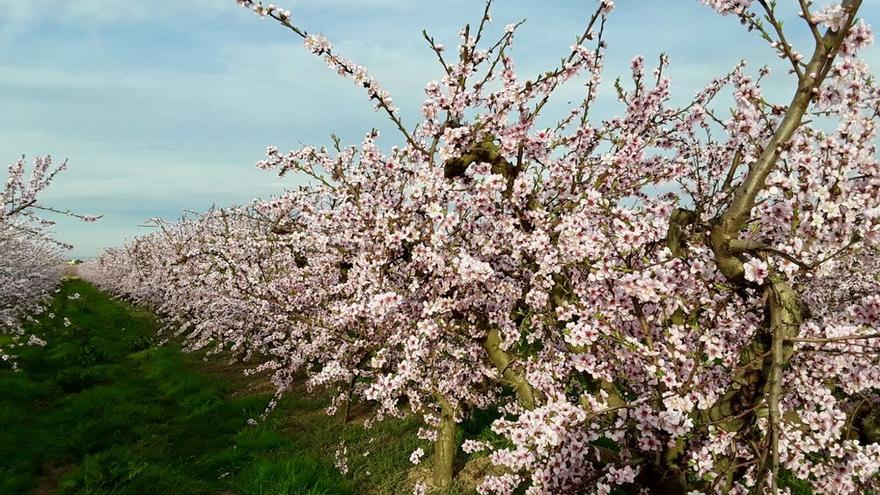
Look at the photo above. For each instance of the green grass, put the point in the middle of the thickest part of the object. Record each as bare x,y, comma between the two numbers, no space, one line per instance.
101,410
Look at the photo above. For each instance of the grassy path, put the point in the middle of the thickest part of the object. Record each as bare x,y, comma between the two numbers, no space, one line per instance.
101,410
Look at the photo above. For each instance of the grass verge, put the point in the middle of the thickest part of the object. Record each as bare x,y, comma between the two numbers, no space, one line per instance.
101,410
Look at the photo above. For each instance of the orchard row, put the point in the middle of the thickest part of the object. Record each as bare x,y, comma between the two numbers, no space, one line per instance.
31,260
680,299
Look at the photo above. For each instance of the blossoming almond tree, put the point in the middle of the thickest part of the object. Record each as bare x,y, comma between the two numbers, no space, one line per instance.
30,259
702,340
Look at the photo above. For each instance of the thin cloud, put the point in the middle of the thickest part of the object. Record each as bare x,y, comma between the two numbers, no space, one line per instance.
163,105
104,11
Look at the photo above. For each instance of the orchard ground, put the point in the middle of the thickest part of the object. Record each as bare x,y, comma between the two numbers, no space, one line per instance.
102,409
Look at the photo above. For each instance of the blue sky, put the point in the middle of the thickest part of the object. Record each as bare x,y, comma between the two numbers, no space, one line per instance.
165,105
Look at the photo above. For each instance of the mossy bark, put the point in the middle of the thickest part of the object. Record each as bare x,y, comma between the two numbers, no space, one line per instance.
500,359
444,449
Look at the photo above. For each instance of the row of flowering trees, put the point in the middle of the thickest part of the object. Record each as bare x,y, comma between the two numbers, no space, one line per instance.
31,261
674,300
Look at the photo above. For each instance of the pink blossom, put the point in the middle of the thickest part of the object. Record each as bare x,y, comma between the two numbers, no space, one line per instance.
756,270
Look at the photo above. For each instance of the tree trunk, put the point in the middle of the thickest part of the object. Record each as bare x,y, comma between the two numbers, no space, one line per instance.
499,358
444,449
